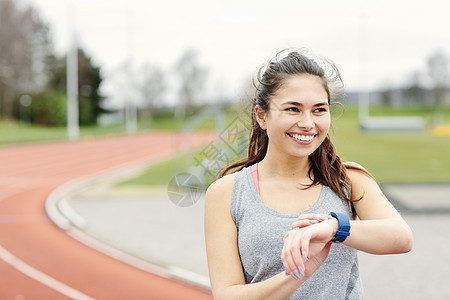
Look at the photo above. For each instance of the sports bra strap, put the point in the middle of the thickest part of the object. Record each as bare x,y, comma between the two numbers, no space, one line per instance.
254,170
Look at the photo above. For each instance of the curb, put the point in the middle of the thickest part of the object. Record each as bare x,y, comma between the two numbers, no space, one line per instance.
405,207
60,212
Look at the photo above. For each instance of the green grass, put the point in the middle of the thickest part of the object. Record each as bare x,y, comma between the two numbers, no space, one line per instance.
161,173
441,114
394,156
14,133
408,158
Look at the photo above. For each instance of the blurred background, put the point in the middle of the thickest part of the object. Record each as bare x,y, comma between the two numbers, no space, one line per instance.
76,70
155,65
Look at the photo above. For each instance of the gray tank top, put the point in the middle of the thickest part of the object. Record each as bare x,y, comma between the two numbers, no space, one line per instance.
260,240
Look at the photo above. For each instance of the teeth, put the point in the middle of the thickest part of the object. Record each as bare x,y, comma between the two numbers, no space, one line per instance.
304,138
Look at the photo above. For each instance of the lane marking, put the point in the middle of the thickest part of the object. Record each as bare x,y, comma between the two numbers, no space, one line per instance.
37,275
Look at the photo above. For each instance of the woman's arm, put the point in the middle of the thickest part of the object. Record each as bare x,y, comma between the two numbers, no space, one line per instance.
224,264
379,230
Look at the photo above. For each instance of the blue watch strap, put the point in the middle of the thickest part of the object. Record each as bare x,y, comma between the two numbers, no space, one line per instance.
344,227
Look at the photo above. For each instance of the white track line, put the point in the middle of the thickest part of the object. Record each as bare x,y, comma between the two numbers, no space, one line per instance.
46,280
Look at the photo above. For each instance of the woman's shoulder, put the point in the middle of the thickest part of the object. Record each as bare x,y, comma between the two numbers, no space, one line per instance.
360,178
358,175
222,184
353,165
356,171
221,189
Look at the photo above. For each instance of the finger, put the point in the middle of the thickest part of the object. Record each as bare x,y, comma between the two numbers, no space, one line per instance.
303,223
284,260
324,217
286,256
307,216
295,253
304,244
296,256
318,217
289,266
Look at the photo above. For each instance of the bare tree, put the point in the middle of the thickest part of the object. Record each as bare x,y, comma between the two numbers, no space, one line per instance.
151,88
192,79
438,69
24,48
414,91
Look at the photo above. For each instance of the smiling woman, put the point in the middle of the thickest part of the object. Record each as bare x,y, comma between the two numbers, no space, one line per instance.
280,226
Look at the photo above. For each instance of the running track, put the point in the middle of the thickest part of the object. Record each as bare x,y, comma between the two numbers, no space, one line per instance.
37,259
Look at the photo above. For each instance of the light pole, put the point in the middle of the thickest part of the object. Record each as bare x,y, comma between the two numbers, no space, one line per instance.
73,130
363,96
130,105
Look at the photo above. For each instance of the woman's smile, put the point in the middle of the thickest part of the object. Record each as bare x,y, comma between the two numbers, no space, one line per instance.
302,138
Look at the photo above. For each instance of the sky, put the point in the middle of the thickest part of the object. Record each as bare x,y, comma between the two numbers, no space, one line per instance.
374,43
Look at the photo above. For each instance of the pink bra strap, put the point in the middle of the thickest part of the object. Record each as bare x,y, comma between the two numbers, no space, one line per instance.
254,170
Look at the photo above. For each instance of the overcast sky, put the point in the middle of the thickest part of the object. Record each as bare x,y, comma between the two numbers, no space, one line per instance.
374,43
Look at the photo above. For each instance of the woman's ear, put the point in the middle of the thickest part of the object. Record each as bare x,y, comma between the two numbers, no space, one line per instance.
260,115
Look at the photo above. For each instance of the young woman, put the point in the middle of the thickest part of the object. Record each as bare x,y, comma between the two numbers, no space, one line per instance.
288,222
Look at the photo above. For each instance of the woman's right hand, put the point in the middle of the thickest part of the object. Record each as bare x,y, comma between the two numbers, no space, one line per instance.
305,249
309,219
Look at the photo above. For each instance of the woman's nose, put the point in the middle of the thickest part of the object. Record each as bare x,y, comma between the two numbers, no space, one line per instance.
305,121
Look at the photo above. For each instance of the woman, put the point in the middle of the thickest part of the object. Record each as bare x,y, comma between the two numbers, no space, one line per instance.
271,218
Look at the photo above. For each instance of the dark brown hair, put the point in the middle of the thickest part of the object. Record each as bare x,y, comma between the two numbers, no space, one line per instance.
325,166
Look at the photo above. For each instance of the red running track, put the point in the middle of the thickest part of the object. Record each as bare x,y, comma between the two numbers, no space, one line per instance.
38,260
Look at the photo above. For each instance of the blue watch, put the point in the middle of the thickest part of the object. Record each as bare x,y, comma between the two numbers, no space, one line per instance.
344,227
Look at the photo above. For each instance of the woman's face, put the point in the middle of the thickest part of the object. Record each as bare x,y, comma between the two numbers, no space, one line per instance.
299,116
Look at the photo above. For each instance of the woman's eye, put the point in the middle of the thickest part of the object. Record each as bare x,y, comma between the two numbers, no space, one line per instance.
320,109
293,109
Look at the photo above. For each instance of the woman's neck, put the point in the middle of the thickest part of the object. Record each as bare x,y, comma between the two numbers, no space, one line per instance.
284,167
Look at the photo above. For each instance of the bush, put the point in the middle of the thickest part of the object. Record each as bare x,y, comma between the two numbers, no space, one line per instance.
49,108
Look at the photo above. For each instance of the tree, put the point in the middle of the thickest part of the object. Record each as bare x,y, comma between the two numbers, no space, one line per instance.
386,96
438,69
151,87
89,81
192,79
414,91
24,49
